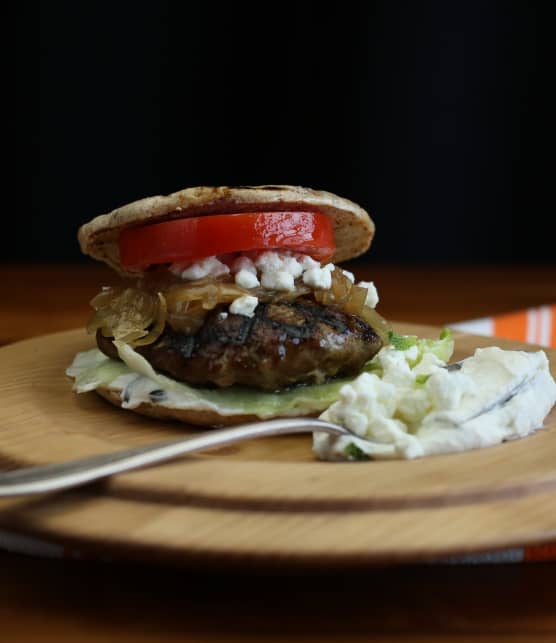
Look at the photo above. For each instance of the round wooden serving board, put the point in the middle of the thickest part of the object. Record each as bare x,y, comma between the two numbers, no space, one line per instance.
267,500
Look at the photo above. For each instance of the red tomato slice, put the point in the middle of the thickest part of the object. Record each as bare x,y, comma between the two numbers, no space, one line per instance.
194,238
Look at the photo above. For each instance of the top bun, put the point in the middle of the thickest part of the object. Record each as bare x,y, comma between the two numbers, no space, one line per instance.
353,228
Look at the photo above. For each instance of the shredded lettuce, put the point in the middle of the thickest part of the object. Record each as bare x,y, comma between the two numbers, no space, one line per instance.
443,347
422,379
402,342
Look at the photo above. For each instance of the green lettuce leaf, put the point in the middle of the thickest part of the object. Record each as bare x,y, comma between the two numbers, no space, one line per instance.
443,347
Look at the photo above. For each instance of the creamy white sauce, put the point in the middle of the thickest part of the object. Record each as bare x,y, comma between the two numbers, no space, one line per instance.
409,412
137,387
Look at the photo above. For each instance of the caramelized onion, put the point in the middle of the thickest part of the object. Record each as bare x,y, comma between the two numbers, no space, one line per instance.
158,328
341,286
189,318
339,291
127,314
266,296
209,294
352,299
188,305
381,327
138,315
355,300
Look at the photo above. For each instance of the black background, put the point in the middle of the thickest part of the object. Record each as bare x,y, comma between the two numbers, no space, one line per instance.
436,116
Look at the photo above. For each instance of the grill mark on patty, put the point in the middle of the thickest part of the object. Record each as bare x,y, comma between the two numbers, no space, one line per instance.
234,330
183,344
301,330
325,315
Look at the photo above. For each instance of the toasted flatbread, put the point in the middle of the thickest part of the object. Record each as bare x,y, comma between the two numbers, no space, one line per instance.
196,417
353,227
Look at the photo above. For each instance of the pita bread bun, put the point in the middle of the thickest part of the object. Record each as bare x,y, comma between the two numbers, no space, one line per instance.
353,227
187,416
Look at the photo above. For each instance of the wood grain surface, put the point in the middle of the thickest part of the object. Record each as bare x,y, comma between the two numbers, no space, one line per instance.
265,499
69,600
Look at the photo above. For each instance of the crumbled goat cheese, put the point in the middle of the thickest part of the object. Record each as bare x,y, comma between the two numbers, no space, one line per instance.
372,294
279,280
211,266
244,305
243,263
349,275
308,262
272,270
270,260
278,270
319,277
246,279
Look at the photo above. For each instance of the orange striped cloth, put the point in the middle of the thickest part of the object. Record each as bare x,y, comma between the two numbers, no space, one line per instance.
535,326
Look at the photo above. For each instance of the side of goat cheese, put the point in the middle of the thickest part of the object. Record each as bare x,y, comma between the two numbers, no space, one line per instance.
410,407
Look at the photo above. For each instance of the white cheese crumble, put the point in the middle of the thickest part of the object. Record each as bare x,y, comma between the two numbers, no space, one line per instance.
244,305
349,275
308,262
279,270
372,295
211,266
243,263
246,279
272,270
272,261
279,280
319,277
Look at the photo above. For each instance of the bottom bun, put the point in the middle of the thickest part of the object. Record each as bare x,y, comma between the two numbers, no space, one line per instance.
204,418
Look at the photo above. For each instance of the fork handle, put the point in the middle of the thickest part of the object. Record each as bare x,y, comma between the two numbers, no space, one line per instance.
53,477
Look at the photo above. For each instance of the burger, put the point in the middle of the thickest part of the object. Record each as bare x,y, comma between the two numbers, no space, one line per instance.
228,304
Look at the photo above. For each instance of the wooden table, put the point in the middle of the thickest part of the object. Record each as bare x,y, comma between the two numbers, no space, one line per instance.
54,600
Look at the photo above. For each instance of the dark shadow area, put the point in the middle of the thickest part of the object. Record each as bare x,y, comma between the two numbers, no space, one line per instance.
502,600
435,116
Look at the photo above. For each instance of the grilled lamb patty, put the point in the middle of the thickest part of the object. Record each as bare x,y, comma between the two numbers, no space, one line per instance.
283,344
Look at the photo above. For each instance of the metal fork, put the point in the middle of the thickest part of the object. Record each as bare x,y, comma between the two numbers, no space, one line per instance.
64,475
